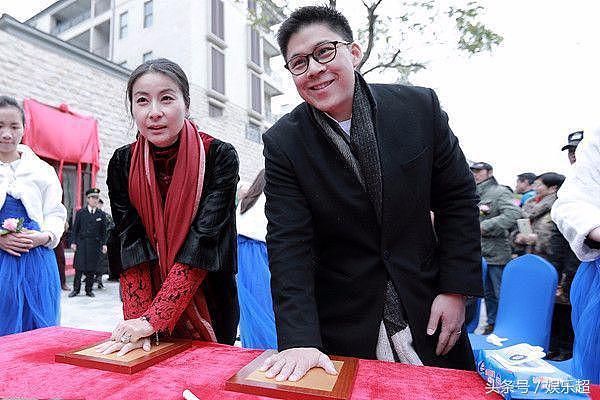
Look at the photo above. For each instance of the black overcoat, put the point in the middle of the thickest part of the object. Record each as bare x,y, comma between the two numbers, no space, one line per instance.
328,256
89,234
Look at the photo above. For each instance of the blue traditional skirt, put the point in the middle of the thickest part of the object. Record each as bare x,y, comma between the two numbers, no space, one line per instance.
257,322
585,300
29,285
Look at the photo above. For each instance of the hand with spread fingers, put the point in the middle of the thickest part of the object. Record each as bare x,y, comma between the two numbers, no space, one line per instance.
447,310
123,348
293,364
127,336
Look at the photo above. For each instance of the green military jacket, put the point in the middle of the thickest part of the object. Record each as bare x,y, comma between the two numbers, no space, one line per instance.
498,214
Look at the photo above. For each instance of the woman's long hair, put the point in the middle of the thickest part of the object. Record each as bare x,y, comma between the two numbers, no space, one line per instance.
253,193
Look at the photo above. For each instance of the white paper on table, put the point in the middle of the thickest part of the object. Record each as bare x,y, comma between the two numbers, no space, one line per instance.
532,367
187,395
495,340
522,357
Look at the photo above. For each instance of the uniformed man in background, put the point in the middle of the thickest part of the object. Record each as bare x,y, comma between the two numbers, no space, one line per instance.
88,242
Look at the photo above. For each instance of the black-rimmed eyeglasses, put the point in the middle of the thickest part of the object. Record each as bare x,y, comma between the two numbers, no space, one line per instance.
323,53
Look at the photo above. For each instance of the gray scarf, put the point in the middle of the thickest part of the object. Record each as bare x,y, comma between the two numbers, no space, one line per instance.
360,154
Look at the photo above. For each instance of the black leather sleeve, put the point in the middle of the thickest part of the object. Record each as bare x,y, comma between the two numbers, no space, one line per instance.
135,247
211,241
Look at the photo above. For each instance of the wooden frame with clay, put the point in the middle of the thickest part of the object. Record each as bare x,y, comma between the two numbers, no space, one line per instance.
247,381
130,363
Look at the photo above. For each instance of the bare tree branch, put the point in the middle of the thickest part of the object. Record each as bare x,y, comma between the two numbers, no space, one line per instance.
372,20
393,63
383,35
412,67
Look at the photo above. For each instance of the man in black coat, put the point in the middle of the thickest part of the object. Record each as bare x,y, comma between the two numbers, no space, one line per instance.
88,242
358,267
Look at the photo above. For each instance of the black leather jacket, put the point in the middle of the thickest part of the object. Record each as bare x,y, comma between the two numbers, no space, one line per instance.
211,243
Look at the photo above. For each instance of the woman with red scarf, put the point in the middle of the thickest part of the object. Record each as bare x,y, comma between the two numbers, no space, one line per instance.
172,195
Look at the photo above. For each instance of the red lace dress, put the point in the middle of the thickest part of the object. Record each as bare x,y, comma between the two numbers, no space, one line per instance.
143,292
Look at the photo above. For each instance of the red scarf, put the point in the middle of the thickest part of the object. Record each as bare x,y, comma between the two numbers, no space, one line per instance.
167,227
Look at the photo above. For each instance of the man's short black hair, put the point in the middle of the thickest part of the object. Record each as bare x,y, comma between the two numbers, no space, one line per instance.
527,176
308,15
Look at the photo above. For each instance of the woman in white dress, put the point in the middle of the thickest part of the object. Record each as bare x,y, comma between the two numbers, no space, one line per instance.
29,192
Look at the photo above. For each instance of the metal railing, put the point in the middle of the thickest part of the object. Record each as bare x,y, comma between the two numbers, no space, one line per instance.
63,25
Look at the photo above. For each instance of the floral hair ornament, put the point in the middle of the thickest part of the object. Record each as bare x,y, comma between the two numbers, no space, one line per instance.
11,225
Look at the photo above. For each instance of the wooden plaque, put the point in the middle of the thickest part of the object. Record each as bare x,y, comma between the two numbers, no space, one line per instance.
316,384
130,363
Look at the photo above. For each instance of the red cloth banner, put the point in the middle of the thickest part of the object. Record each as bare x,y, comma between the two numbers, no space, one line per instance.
62,135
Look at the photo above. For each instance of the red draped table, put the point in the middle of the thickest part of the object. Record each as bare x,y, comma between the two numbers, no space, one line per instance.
28,370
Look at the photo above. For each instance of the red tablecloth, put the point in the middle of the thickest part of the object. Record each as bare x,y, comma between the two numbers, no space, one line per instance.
28,370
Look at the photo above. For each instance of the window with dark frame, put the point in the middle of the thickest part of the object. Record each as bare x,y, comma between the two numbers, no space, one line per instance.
148,14
217,70
123,25
256,93
217,26
255,46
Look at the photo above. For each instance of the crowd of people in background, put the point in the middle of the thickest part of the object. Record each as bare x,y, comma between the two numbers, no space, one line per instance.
503,238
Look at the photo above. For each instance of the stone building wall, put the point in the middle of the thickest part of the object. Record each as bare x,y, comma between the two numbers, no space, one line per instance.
35,65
